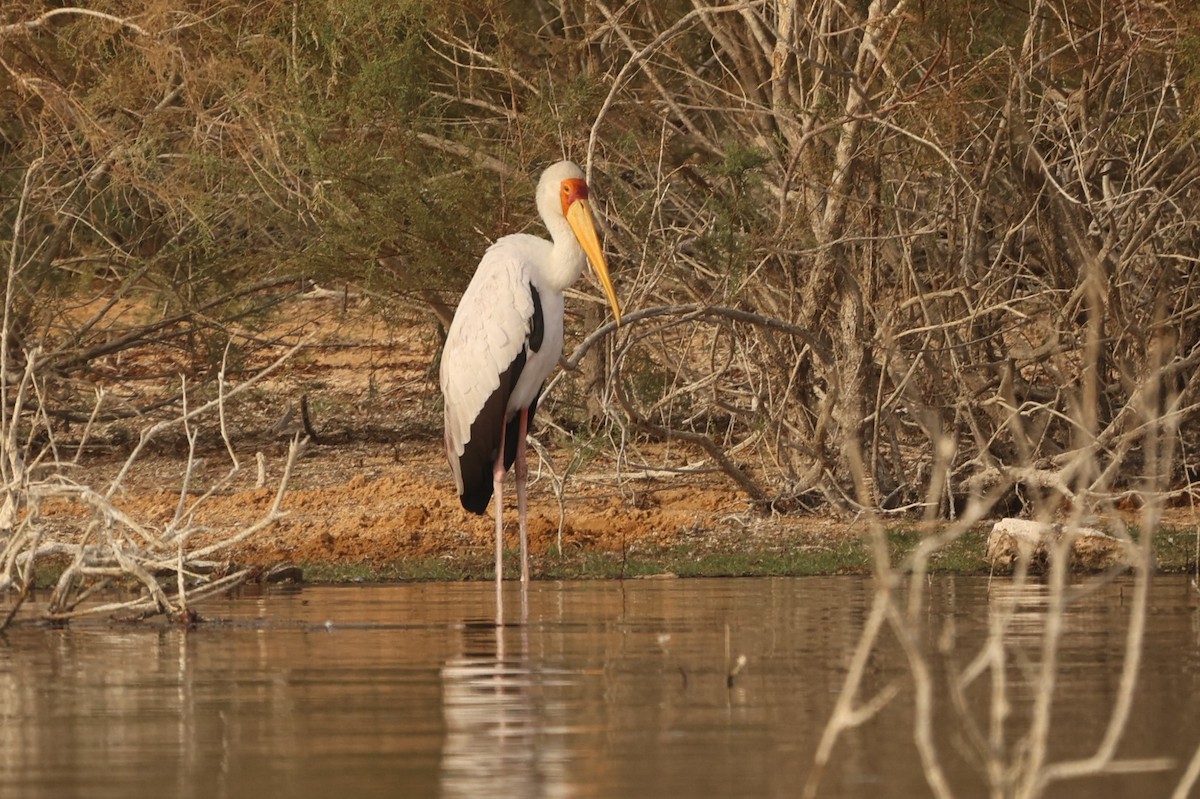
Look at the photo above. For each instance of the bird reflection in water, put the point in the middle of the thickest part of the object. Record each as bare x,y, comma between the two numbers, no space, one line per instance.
498,718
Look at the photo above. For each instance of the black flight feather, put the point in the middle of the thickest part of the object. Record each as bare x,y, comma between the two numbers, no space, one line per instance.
479,454
537,325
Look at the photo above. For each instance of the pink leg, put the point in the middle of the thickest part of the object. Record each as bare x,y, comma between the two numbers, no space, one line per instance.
522,476
498,498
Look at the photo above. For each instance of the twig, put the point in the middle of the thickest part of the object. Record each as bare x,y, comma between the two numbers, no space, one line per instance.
42,19
304,417
687,313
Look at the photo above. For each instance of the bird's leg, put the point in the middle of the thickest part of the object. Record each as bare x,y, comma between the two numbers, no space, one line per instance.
498,498
522,476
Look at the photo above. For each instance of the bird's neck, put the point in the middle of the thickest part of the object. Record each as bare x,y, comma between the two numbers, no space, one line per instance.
566,256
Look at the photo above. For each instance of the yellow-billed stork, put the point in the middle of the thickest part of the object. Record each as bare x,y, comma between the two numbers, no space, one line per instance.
505,340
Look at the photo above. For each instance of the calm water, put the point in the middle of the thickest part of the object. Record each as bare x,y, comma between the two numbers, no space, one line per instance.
608,689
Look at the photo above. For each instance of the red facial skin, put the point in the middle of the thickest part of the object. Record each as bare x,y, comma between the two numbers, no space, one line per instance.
572,189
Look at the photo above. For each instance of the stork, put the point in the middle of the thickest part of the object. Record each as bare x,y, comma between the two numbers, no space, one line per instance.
505,340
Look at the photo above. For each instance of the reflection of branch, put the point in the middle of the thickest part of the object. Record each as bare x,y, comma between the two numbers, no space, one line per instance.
846,712
907,631
1190,775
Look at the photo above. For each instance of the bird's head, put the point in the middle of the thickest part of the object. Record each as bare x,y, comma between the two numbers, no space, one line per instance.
566,180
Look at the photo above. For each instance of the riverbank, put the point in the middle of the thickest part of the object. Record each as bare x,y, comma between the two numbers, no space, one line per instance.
372,497
379,511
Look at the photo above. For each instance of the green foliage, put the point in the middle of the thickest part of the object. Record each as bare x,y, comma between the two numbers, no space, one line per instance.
893,262
738,225
801,555
647,379
974,30
740,162
187,157
1189,62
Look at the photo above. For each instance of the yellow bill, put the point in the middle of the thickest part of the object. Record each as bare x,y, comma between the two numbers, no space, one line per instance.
580,218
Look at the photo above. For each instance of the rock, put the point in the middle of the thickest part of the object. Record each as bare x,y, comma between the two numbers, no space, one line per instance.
1090,549
284,573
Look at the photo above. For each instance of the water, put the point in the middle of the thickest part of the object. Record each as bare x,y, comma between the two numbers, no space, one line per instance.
608,689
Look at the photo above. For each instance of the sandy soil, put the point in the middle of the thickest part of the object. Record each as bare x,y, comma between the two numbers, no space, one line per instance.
377,490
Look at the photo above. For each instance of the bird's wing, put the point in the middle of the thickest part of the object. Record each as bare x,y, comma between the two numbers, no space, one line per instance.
489,331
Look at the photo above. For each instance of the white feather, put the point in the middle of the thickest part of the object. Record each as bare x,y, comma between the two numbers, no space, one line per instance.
493,321
490,328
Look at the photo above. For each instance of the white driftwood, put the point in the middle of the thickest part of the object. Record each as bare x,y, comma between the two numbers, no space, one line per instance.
1089,549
